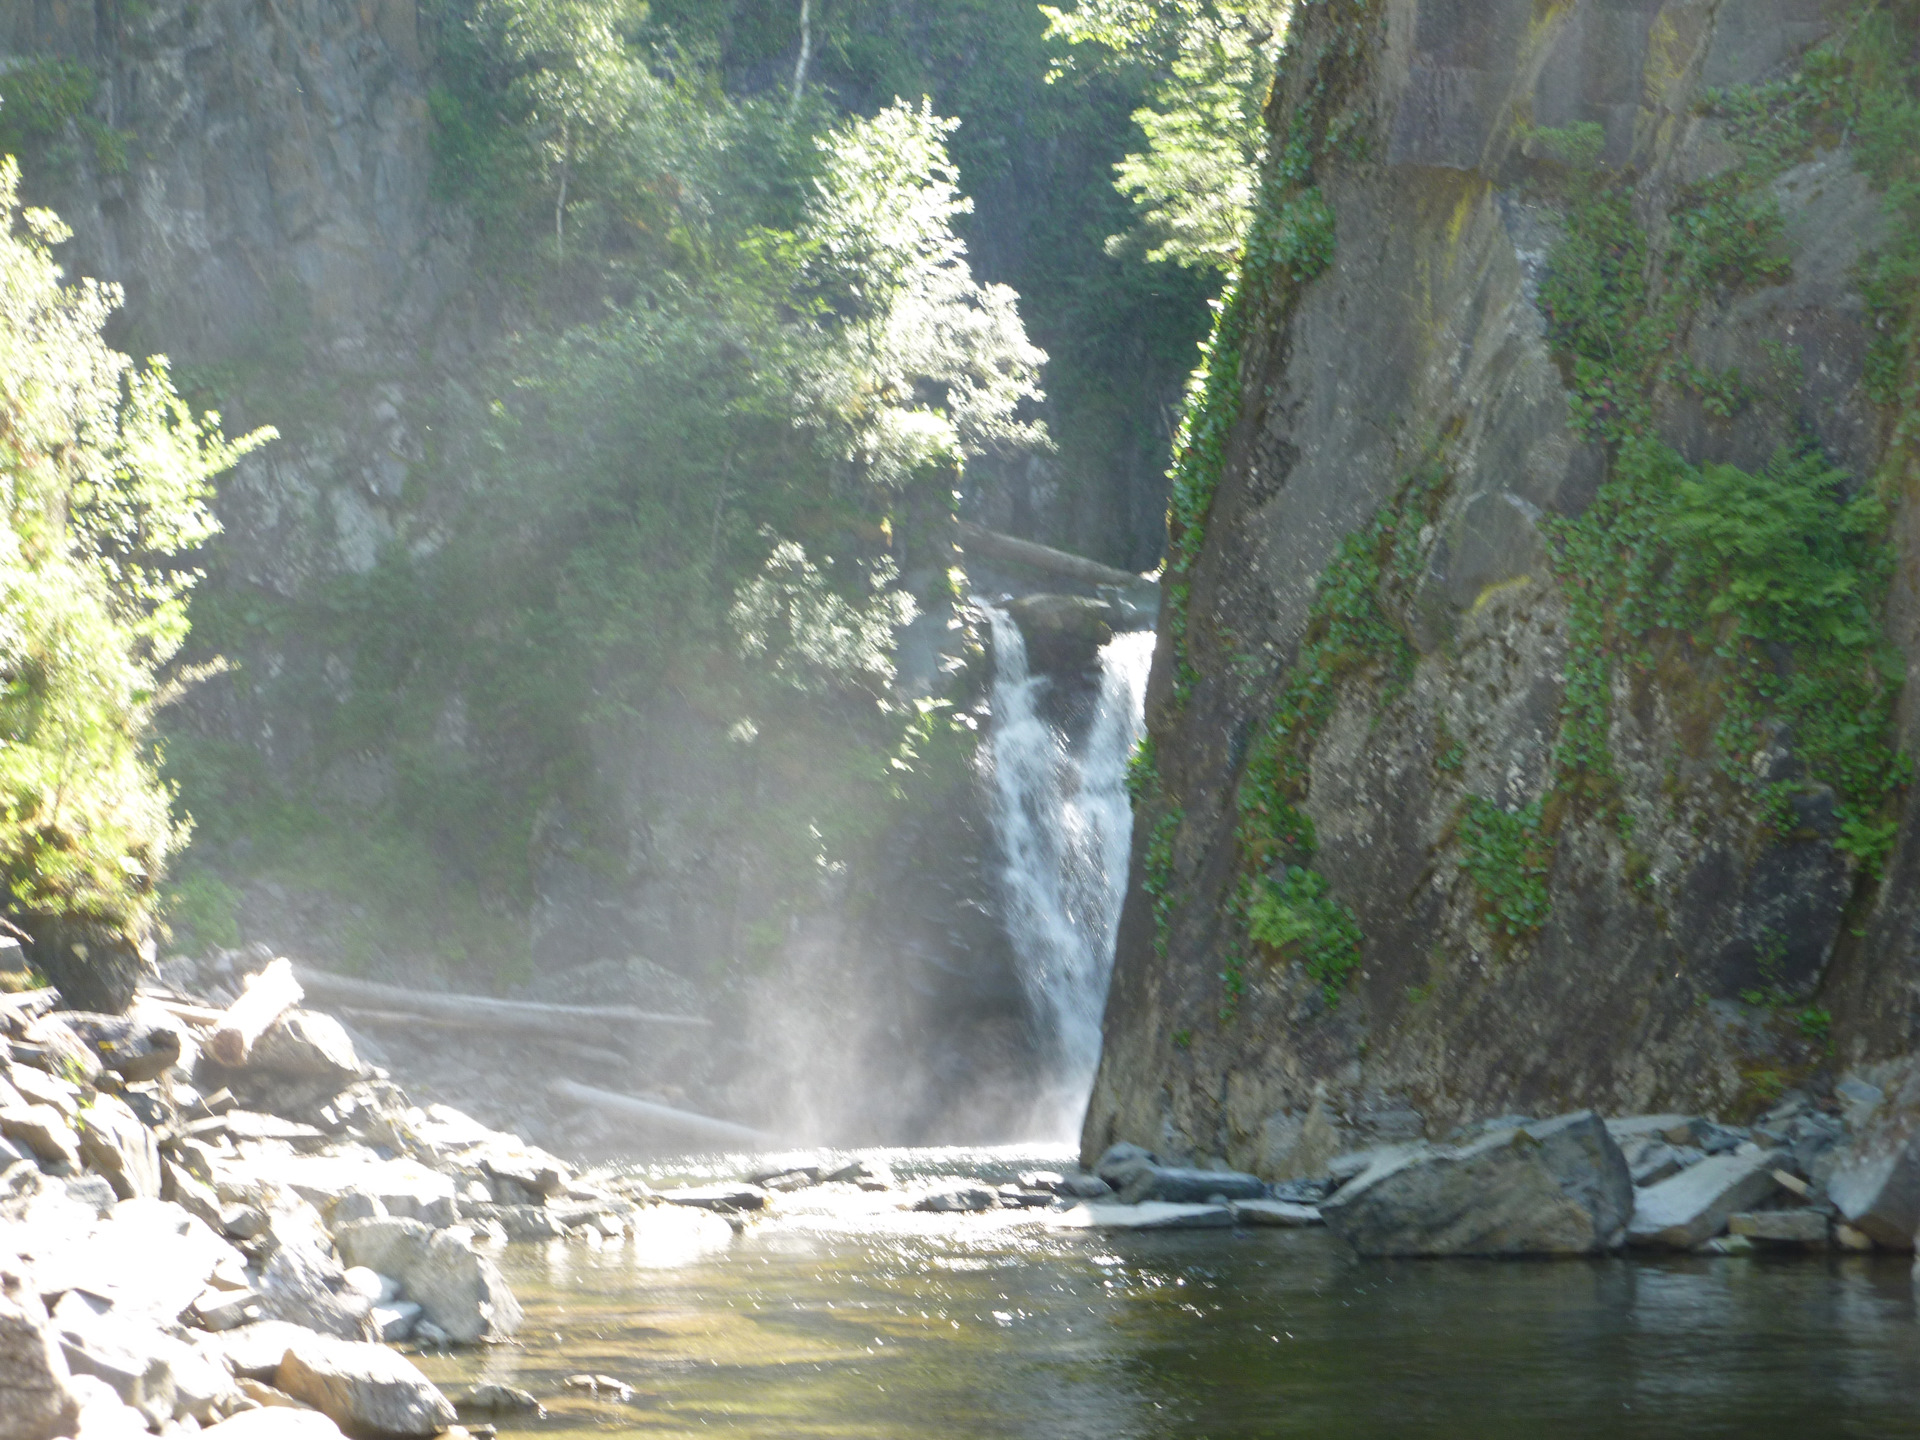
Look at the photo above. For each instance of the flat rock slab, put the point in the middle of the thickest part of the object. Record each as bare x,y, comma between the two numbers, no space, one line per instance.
363,1388
1183,1186
1282,1213
1556,1187
1148,1215
1695,1205
717,1197
1804,1228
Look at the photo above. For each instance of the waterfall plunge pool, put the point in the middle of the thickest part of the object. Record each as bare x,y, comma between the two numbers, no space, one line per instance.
867,1321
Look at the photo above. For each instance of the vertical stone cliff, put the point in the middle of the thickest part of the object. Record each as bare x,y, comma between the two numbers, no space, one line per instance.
1506,752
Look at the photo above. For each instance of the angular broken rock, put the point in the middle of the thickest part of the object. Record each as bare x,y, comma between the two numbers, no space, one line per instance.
115,1143
388,1245
1876,1175
303,1285
275,1423
363,1388
1122,1162
36,1398
494,1399
1694,1205
1556,1187
1805,1228
44,1131
461,1291
306,1044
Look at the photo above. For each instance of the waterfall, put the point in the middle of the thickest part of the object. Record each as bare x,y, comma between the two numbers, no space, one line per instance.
1064,825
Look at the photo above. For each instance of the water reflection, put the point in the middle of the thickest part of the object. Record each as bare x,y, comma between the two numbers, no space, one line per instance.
992,1326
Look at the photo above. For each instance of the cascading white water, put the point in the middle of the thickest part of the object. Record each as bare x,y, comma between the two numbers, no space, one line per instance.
1064,825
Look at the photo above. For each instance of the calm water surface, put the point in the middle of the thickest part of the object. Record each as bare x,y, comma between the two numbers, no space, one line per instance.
830,1323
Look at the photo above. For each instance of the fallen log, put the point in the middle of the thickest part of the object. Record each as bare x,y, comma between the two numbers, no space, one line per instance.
480,1012
662,1117
1011,550
267,996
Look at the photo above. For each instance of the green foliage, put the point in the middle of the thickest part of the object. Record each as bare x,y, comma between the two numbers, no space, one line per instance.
1212,62
40,98
201,905
1296,916
1509,859
107,477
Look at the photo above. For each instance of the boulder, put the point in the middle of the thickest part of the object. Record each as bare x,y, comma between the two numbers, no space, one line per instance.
1557,1187
1876,1175
394,1320
1121,1163
1148,1215
307,1045
461,1291
1280,1213
389,1246
36,1394
254,1352
958,1199
115,1143
44,1131
304,1286
1804,1229
363,1388
1181,1186
1694,1205
492,1399
275,1423
147,1257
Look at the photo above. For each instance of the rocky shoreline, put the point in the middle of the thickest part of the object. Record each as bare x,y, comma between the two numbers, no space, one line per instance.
251,1250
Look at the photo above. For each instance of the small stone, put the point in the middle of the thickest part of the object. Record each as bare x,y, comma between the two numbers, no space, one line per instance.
1725,1245
363,1387
1848,1238
600,1385
394,1320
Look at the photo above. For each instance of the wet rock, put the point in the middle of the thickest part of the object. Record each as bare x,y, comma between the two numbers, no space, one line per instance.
1280,1213
1559,1187
394,1320
304,1286
717,1197
36,1397
1148,1215
492,1399
600,1385
44,1131
462,1292
522,1222
1802,1229
1695,1204
1181,1186
363,1388
1082,1186
1121,1163
958,1199
275,1423
115,1143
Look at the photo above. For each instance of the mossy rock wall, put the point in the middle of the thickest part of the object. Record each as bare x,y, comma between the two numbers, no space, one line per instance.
1444,631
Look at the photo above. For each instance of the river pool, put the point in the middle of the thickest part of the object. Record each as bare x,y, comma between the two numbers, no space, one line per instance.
833,1320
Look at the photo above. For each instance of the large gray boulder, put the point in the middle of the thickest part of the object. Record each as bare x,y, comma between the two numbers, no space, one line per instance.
1696,1204
1557,1187
114,1143
461,1291
363,1388
36,1399
1875,1180
308,1045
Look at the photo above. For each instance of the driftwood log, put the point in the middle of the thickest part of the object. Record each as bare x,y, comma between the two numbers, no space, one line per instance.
267,996
374,1003
702,1128
1010,550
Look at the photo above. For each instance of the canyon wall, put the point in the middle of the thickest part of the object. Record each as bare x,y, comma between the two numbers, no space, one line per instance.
1496,763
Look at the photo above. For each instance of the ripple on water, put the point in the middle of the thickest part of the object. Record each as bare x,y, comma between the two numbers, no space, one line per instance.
855,1319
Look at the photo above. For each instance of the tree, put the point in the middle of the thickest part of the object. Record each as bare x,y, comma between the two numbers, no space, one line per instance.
107,476
1214,61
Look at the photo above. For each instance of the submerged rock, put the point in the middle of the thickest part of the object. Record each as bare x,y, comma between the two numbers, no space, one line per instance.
1559,1187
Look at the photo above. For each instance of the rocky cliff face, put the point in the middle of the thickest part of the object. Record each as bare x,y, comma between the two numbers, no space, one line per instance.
1485,775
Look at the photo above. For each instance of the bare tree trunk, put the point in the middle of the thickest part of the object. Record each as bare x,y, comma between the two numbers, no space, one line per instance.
800,64
700,1128
560,201
267,997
